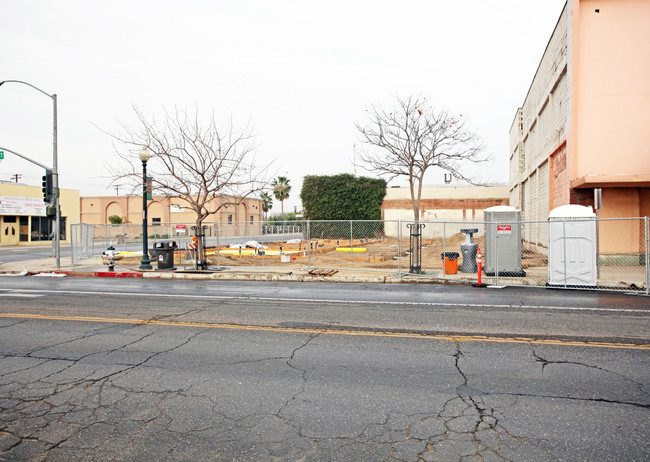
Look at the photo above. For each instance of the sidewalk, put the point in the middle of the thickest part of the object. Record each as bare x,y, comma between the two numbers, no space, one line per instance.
611,277
94,267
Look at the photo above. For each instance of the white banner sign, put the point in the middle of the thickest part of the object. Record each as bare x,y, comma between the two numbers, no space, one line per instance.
30,206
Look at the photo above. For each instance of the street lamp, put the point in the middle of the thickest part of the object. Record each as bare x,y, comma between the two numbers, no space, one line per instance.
55,173
145,264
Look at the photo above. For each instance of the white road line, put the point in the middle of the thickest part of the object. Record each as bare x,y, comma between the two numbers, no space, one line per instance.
11,294
317,300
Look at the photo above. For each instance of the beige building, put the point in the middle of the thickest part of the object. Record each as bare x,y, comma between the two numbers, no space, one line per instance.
163,210
447,203
584,120
23,220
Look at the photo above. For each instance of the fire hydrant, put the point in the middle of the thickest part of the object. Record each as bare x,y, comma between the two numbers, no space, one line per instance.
110,254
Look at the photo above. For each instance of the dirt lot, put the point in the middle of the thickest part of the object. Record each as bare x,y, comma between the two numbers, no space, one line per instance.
378,254
383,254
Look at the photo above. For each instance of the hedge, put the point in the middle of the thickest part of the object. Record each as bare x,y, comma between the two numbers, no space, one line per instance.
342,197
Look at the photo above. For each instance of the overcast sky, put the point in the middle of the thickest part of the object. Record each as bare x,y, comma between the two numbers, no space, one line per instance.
303,73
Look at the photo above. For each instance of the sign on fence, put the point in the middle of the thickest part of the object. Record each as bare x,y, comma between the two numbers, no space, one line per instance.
180,229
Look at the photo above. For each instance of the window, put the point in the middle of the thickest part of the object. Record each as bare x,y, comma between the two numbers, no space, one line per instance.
24,229
41,229
230,219
155,221
251,219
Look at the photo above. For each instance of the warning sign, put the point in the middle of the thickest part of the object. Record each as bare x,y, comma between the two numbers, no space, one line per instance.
180,229
504,229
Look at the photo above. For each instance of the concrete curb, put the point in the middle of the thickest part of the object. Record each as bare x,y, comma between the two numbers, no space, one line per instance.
290,276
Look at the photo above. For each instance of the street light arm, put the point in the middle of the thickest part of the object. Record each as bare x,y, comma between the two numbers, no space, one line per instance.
26,158
28,84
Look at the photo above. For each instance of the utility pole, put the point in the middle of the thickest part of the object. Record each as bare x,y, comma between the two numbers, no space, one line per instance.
56,242
16,176
117,189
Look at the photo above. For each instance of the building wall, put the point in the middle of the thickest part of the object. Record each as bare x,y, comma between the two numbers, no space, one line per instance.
96,210
30,208
457,204
582,123
538,135
611,93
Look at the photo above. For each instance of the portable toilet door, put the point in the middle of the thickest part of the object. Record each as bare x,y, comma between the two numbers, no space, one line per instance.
572,246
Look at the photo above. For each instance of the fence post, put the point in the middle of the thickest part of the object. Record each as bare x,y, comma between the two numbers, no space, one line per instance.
73,228
399,247
308,244
444,249
564,246
216,231
496,255
647,265
351,244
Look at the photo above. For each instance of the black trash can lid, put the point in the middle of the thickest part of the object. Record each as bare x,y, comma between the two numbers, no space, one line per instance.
450,255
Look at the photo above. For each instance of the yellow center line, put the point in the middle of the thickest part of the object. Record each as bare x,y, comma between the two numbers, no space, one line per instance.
303,330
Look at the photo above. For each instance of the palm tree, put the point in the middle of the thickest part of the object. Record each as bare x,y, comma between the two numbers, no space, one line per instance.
267,203
281,189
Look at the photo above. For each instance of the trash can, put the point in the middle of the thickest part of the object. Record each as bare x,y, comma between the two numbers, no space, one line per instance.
469,249
450,262
165,254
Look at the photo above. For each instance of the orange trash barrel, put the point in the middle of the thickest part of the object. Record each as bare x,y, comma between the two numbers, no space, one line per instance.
450,262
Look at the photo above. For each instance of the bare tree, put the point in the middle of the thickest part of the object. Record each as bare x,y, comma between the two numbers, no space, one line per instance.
208,166
413,137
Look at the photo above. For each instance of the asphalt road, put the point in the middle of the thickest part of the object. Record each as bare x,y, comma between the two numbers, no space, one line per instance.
23,253
96,369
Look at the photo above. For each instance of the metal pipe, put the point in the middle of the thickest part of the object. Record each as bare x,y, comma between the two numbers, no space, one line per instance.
55,172
564,246
399,246
351,244
444,249
496,255
647,253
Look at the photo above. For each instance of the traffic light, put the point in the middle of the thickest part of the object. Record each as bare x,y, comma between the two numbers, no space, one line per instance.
48,187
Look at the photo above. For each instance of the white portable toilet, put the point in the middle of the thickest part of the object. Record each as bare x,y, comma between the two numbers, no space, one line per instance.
572,246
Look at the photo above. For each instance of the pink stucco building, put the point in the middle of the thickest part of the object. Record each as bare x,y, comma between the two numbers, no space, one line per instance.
585,122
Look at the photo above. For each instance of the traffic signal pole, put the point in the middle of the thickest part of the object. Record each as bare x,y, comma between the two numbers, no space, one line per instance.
55,177
56,242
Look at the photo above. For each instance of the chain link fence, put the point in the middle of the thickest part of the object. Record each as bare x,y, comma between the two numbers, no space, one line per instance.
82,241
609,254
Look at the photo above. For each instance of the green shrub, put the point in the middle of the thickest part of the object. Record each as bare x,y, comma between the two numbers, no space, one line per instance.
342,197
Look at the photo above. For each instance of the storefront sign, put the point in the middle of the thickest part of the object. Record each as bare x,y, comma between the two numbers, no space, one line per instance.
30,206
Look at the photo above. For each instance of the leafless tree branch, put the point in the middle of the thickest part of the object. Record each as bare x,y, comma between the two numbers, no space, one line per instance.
409,139
208,165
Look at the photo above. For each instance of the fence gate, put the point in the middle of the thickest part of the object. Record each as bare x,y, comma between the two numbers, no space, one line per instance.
82,238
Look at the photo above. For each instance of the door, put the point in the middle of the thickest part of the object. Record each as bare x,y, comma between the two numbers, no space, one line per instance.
9,230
